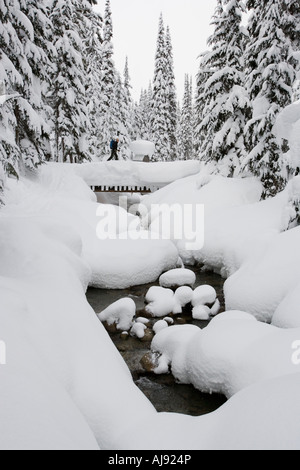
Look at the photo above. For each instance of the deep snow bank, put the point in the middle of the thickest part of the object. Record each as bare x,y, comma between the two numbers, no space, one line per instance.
264,416
248,241
115,263
262,284
220,196
64,385
128,173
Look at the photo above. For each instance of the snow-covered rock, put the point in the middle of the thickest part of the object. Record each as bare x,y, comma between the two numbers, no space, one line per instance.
155,293
201,312
120,313
162,302
138,329
184,295
231,353
204,295
177,278
160,325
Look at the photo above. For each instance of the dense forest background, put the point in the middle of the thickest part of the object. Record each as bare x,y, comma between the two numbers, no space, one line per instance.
62,99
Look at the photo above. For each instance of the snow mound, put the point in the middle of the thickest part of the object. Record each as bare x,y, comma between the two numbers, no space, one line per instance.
162,302
262,284
184,295
177,278
160,325
225,200
138,330
128,173
116,263
156,293
120,313
119,264
142,148
204,295
233,352
201,312
253,419
287,314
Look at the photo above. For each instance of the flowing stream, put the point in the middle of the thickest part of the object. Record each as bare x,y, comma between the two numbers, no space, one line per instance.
162,390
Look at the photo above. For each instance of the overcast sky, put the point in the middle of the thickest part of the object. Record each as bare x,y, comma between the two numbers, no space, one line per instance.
135,34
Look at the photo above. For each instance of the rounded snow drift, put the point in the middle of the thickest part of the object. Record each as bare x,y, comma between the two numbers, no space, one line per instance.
204,295
177,278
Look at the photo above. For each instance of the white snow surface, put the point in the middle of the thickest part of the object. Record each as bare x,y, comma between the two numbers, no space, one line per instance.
246,241
115,263
62,368
220,196
128,173
142,147
262,284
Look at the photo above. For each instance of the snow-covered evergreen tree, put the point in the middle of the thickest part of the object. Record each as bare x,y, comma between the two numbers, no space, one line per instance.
24,62
160,103
172,97
179,133
296,91
39,51
137,119
271,76
67,92
202,78
108,123
142,115
224,105
291,22
186,149
10,79
93,64
291,26
127,110
121,114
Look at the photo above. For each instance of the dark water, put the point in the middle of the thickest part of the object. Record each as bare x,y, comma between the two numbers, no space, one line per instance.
162,390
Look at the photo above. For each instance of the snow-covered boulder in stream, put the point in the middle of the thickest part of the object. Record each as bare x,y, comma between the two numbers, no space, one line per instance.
177,278
231,353
162,302
120,313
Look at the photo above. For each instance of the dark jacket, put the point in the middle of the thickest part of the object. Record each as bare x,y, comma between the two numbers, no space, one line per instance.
115,145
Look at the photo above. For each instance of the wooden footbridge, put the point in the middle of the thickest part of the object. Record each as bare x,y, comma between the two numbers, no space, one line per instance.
134,177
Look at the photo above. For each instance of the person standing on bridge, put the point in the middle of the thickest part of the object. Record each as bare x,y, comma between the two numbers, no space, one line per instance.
114,150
